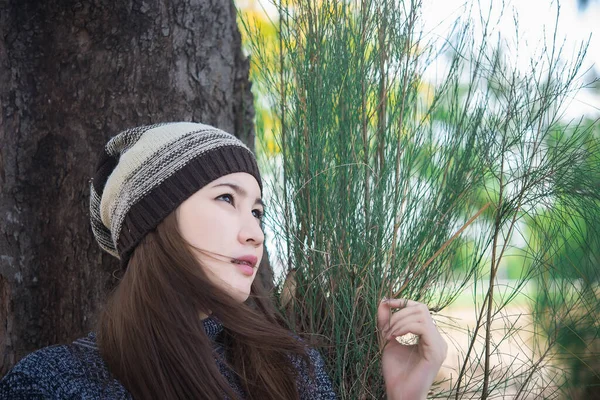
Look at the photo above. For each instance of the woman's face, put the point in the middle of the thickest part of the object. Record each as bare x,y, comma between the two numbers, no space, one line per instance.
222,223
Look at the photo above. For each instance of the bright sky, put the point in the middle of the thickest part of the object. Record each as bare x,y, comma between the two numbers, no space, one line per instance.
574,27
536,20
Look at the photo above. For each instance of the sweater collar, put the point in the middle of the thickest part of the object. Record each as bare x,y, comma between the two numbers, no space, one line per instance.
213,327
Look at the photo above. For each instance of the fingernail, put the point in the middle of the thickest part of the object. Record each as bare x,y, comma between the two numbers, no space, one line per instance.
384,299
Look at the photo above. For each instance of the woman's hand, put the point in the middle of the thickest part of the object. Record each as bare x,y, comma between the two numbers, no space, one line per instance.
409,370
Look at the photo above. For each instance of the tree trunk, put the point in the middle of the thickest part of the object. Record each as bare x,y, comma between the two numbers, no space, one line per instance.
73,74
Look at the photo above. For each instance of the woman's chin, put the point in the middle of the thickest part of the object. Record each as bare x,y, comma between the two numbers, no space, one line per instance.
243,295
236,289
238,294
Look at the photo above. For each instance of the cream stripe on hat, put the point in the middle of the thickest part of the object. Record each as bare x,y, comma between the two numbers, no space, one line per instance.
133,158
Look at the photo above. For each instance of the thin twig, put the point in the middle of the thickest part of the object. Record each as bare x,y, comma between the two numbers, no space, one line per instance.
443,247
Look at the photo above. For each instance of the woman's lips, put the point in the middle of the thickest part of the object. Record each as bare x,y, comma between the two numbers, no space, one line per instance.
248,259
246,264
246,269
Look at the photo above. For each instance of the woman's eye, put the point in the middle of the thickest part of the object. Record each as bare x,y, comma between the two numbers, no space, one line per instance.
226,197
257,214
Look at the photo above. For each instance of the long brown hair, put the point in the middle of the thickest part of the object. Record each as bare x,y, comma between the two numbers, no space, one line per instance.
152,338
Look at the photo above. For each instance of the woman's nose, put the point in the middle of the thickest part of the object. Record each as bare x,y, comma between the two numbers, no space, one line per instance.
251,232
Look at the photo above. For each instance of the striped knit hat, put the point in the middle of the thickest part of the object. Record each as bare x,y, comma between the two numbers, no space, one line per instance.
145,173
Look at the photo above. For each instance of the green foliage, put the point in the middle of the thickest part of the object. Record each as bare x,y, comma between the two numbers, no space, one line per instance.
380,174
567,306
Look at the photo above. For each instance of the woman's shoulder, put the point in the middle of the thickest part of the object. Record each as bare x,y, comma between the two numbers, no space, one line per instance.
62,371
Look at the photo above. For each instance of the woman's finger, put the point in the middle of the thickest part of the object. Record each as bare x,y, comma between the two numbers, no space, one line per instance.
385,314
402,303
414,327
400,315
384,311
414,318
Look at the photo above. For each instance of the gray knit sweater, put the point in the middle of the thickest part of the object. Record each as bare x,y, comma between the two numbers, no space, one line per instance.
77,371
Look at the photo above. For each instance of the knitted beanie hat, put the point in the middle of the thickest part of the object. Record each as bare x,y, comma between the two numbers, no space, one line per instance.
145,173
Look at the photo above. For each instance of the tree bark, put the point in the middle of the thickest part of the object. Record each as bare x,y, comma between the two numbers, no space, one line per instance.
73,74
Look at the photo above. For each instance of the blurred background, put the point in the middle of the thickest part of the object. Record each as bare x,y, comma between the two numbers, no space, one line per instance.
514,281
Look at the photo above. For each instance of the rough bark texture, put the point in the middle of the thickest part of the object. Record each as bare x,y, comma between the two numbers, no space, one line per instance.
72,74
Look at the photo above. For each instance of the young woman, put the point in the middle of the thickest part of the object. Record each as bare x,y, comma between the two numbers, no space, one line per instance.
180,205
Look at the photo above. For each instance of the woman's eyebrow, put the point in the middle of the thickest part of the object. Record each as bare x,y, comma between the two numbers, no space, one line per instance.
240,191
